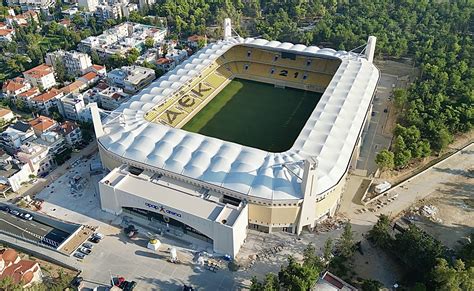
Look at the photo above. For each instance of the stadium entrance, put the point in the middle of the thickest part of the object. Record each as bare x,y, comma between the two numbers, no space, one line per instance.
166,223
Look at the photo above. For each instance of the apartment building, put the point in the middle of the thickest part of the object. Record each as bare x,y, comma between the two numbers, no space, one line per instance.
112,97
131,78
12,172
71,105
76,63
44,102
11,88
13,137
71,132
41,76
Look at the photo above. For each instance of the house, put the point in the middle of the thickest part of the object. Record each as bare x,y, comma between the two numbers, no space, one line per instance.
71,132
194,40
43,124
90,78
74,87
7,34
44,102
91,96
24,272
70,106
11,88
165,64
99,70
13,137
112,97
330,282
131,78
22,19
41,76
12,172
88,5
28,94
37,157
6,115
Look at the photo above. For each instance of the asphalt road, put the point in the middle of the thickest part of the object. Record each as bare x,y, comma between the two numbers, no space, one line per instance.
32,229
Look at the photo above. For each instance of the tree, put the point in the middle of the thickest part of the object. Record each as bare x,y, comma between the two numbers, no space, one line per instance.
9,284
400,97
371,285
255,285
402,155
327,251
271,282
149,42
345,244
385,160
453,278
60,71
295,276
95,57
380,232
467,251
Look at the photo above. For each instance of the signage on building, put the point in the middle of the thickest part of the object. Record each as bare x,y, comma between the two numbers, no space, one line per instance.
162,209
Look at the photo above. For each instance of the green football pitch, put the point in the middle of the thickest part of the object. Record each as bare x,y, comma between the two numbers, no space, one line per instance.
255,114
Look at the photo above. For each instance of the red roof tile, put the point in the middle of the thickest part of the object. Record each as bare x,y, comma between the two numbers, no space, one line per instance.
47,96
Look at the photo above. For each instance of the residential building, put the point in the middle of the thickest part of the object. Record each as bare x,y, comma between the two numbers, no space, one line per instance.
104,12
112,97
23,272
145,4
21,19
128,8
88,5
90,78
194,40
7,34
43,124
66,22
70,106
12,171
75,63
71,133
70,11
35,5
99,70
36,157
13,137
165,64
90,96
74,87
11,88
122,38
131,78
53,141
41,76
6,115
178,56
44,102
27,95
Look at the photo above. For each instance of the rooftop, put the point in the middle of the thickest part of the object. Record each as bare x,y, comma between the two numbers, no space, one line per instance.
6,31
73,87
30,92
39,71
47,95
14,84
42,123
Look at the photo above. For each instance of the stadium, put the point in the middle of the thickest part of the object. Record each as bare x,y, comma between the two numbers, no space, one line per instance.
246,134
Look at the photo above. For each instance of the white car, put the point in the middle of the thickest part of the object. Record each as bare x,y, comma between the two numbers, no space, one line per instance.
26,216
98,235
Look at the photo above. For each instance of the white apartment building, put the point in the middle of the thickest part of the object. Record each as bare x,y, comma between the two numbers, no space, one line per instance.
13,137
131,78
144,4
43,103
71,105
88,5
32,4
71,132
112,97
11,88
6,115
36,157
104,12
76,63
12,171
41,76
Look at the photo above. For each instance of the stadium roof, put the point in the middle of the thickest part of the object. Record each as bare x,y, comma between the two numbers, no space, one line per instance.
330,133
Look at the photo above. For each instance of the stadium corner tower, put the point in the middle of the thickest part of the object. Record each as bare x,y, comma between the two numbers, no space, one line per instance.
213,189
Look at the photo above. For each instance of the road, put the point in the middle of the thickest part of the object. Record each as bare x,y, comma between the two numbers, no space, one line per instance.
373,138
32,229
441,175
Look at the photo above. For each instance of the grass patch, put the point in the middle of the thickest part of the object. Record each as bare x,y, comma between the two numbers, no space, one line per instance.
255,114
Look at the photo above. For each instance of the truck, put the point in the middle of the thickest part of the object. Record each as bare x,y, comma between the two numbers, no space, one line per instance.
382,187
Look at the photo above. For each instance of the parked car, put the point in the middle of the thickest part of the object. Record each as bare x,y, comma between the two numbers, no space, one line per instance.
98,235
14,212
84,250
94,240
79,255
385,110
26,216
76,282
128,285
88,245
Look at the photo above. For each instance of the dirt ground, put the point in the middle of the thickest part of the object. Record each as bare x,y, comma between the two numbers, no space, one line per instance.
454,211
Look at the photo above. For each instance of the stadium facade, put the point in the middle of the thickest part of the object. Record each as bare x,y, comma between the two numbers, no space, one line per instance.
214,189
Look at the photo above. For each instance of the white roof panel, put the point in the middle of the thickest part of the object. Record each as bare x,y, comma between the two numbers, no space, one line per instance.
330,133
